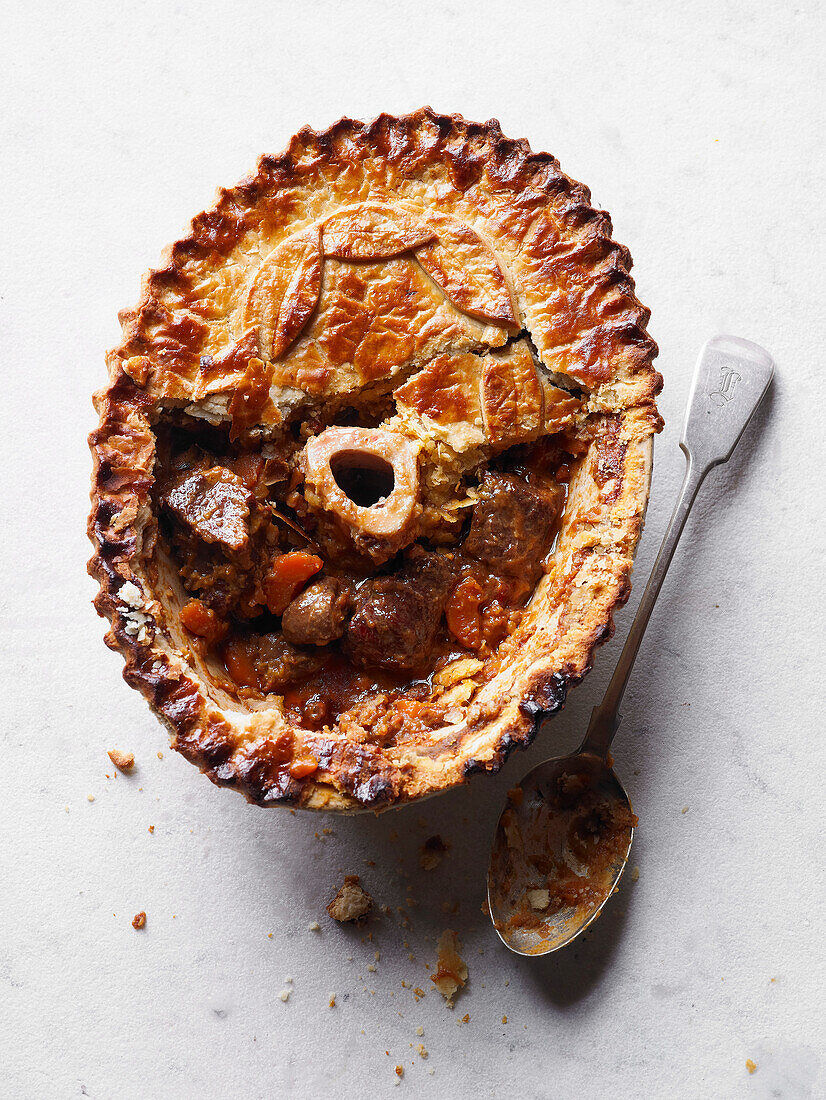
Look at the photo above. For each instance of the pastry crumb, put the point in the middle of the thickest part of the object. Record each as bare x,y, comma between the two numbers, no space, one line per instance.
539,899
160,755
421,1050
432,852
332,1001
451,973
635,874
684,810
314,926
351,903
751,1066
139,920
504,1019
284,995
420,1030
123,761
399,1071
90,798
151,828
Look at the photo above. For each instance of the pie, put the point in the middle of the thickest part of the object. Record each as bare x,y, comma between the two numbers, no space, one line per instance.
372,463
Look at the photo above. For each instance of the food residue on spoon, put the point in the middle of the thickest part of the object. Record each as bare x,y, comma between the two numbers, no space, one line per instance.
560,847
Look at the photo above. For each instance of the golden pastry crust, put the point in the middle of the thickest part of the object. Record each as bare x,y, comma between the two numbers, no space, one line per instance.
396,257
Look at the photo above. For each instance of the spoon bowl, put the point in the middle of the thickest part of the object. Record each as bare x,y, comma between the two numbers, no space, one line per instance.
561,845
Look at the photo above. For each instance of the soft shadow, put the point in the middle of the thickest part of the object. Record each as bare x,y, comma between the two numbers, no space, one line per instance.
571,973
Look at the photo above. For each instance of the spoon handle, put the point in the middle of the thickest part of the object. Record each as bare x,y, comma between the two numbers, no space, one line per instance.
730,379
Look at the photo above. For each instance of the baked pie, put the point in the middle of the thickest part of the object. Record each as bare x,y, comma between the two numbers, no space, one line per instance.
372,463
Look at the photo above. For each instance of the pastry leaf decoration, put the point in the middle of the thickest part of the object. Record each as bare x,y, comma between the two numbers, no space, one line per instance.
373,231
466,269
286,288
285,292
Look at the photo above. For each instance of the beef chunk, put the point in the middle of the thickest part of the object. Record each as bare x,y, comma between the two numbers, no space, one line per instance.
396,618
214,502
513,525
268,662
317,616
278,663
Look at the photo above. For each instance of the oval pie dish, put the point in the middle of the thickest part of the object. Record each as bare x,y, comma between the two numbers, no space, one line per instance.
372,463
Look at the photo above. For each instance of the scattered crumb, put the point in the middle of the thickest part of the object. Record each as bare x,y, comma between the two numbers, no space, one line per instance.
289,979
684,810
332,1001
351,903
314,926
421,1050
452,970
635,874
539,899
123,761
371,967
751,1066
377,955
285,995
399,1071
160,756
139,920
504,1019
420,1030
151,828
269,935
432,852
90,798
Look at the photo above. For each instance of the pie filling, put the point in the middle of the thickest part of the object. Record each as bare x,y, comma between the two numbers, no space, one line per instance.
322,567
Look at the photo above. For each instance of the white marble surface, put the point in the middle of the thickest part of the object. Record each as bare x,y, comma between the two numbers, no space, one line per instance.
700,126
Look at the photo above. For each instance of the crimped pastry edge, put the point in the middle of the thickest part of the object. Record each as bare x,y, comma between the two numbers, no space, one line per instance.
175,693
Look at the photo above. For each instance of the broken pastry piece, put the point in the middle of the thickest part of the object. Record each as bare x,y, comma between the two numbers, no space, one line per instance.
451,973
351,903
123,761
372,463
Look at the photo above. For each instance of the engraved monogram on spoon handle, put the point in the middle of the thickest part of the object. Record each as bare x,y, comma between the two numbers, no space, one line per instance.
730,380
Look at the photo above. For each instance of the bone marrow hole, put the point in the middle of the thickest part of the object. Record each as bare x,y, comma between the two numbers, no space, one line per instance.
364,478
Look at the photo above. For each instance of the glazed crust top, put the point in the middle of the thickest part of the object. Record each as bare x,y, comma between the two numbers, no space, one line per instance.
434,258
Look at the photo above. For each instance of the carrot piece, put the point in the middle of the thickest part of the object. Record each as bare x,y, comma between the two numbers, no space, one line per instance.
239,663
462,613
202,621
288,574
303,766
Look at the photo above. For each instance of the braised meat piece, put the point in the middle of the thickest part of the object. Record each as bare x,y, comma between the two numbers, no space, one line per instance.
396,618
268,662
213,502
513,525
317,616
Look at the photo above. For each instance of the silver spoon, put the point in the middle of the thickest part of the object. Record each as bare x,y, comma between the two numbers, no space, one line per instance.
563,840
